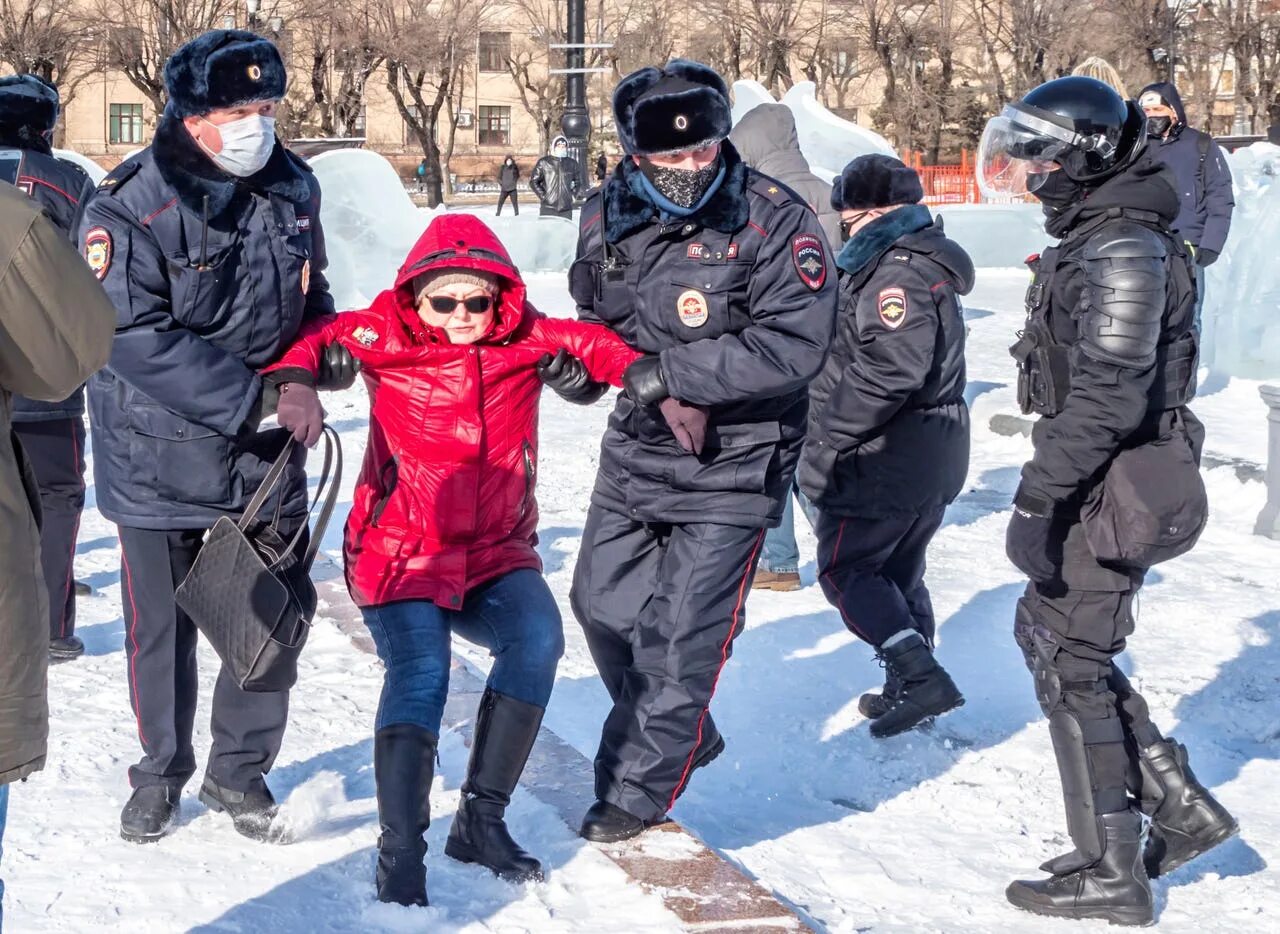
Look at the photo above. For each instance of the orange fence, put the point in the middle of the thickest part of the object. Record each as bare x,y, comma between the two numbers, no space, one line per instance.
952,184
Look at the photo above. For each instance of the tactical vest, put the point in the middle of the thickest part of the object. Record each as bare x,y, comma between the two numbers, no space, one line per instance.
1044,362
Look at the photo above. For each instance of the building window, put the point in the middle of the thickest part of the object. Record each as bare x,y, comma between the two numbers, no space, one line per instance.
495,126
495,49
125,123
410,137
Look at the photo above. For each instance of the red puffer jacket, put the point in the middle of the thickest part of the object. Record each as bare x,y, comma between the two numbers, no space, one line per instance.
445,497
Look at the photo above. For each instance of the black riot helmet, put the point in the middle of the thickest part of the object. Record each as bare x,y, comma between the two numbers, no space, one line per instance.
1076,124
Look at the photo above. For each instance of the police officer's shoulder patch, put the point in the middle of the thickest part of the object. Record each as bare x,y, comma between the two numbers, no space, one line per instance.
97,250
891,303
810,258
117,177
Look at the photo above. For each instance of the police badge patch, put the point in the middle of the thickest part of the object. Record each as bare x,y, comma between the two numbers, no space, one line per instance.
892,304
810,259
691,306
97,251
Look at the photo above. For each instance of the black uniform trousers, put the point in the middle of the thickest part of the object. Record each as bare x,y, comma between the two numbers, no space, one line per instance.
872,572
1070,631
660,605
160,647
55,450
514,197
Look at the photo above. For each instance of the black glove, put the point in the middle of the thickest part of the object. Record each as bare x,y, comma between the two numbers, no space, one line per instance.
300,411
338,369
568,376
687,422
644,380
1028,539
1206,257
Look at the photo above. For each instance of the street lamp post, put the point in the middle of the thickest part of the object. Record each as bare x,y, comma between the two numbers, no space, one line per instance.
575,123
1173,34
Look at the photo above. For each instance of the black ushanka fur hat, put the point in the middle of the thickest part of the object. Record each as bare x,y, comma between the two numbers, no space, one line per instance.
680,107
28,109
875,181
223,68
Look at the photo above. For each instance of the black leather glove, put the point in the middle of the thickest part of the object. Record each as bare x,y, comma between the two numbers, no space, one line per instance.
300,411
1206,257
568,376
644,380
687,422
1028,539
338,369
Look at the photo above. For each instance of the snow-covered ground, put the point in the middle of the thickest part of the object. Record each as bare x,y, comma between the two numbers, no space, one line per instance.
917,833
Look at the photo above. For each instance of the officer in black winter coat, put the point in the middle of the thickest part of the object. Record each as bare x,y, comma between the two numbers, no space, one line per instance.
52,433
209,244
721,276
888,445
1107,359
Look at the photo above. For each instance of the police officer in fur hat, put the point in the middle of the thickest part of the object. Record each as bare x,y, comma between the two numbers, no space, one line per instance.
721,276
888,445
210,246
52,433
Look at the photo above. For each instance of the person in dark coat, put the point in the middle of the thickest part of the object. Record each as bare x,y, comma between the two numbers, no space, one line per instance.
602,168
1202,178
210,246
508,180
888,445
52,433
721,277
1107,360
555,181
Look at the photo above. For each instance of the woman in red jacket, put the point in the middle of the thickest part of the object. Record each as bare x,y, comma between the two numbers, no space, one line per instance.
441,536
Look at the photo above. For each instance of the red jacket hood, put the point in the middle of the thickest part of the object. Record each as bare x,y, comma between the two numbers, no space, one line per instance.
461,241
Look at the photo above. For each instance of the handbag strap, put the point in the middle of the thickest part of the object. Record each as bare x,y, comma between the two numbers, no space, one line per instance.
268,486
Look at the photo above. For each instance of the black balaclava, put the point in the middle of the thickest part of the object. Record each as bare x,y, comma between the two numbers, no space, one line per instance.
1058,191
683,187
1159,126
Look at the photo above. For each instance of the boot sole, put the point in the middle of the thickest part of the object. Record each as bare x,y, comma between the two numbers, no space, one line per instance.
1222,836
144,838
464,854
1129,917
63,656
927,718
596,836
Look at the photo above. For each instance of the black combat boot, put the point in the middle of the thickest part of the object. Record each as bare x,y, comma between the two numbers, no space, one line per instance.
873,706
607,823
149,814
252,812
504,735
927,690
1114,888
404,759
1186,820
65,650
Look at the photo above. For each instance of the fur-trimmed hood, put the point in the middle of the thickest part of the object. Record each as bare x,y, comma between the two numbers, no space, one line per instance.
627,205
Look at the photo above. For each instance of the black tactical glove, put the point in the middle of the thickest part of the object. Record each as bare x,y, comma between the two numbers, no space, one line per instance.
644,380
1028,539
1206,257
338,369
568,376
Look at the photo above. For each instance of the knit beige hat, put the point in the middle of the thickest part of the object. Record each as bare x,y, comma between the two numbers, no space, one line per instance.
437,279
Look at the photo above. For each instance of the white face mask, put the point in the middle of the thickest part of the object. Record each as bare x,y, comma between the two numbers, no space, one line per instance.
247,144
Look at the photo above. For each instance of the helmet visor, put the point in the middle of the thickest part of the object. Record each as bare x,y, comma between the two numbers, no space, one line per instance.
1013,161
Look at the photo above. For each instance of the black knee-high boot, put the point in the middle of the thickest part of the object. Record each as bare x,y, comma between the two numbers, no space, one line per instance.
404,758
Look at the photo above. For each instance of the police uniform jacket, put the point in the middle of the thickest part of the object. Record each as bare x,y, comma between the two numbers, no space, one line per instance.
738,300
211,276
888,424
61,189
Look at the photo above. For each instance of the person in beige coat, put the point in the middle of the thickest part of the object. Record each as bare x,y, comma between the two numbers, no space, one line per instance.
56,326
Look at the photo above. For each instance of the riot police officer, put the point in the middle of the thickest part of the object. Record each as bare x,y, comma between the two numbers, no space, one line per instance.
209,244
1107,360
721,277
52,433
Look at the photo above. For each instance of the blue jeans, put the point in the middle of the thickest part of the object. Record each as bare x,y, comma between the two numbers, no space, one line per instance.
513,616
781,554
4,812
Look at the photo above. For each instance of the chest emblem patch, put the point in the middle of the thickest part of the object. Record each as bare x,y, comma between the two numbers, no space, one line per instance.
304,224
892,305
365,336
691,306
695,251
306,277
97,251
810,259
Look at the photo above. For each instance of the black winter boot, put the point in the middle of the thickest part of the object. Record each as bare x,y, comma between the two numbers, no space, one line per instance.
149,814
927,690
1115,888
252,813
404,759
1186,820
504,735
608,823
873,706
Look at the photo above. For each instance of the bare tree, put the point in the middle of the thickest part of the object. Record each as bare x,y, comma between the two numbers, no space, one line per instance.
338,43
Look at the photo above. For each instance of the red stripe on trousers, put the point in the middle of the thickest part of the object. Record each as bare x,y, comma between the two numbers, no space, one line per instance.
133,634
844,614
724,658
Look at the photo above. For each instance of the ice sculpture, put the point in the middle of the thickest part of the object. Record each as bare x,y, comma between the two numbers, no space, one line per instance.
95,172
1241,316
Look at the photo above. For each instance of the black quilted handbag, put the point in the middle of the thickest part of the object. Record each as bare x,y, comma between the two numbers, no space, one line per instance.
254,615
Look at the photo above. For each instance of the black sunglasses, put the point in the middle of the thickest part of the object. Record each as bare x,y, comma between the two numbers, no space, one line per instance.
847,222
446,304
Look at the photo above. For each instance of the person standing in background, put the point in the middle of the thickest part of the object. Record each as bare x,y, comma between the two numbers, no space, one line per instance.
555,181
508,179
